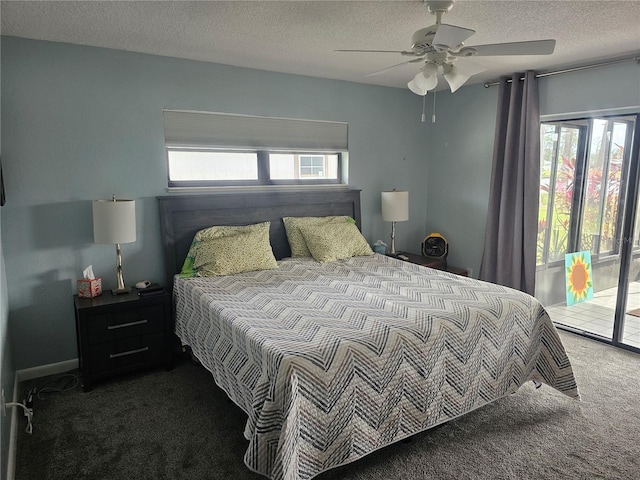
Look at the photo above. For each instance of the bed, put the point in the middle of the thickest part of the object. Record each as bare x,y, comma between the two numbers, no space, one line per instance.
332,361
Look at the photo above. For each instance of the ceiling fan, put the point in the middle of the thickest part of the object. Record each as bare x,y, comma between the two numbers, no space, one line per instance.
441,49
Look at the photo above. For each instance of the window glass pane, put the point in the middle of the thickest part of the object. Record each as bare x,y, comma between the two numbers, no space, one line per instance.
563,193
188,165
561,214
592,215
290,166
614,181
311,166
548,144
636,230
282,166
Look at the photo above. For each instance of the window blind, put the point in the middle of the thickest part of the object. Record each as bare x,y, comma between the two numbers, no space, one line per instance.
192,129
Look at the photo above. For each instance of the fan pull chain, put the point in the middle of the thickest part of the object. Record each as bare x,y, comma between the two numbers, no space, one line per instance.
423,99
433,115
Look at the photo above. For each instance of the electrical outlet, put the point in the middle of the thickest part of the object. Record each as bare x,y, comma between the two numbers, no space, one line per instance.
4,407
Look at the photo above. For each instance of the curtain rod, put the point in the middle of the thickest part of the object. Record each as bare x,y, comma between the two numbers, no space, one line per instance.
573,69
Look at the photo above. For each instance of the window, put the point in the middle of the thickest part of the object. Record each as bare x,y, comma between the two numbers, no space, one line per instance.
604,181
214,149
203,165
311,166
288,166
557,172
583,179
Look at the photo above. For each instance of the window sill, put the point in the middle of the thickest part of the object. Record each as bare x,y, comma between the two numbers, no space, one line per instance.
257,188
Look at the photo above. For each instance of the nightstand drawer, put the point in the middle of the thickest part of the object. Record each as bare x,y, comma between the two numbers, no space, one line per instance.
127,352
103,328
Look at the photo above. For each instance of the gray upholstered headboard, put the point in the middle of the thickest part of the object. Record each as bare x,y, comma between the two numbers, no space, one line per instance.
181,216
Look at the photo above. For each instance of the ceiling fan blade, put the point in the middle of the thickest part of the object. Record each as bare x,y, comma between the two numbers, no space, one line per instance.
401,52
535,47
415,60
469,67
450,36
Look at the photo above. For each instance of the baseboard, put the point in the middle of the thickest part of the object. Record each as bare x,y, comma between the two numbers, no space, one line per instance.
13,433
44,370
21,376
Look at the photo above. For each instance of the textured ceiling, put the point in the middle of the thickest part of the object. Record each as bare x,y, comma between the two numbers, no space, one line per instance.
300,36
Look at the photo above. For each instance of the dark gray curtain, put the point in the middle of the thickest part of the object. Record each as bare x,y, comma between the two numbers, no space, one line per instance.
509,256
2,199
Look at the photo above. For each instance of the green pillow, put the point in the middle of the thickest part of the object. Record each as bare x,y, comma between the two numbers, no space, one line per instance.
261,254
335,241
233,254
292,226
227,230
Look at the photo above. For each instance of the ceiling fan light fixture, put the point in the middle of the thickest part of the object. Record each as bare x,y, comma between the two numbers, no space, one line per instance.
430,70
457,74
454,77
427,77
427,83
440,45
413,86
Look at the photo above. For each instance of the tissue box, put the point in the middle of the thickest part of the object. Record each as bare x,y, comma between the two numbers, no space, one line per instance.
380,248
89,288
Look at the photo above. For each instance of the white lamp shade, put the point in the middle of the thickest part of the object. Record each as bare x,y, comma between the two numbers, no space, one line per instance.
456,75
455,79
114,221
413,86
395,206
426,79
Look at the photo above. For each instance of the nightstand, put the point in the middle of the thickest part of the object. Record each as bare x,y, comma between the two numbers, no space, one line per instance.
432,263
121,333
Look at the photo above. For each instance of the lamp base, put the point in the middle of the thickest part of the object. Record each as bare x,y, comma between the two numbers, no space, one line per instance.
120,291
120,281
393,238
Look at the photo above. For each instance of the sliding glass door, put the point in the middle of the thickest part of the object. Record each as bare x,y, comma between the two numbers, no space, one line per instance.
627,326
588,190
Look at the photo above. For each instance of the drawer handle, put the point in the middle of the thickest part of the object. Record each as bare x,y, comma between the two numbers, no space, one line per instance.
130,352
124,325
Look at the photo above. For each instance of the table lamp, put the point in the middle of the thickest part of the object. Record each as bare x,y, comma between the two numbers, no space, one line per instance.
395,208
114,222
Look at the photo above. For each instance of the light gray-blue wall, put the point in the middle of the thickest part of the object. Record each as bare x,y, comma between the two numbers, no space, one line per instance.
461,146
6,357
460,153
82,123
7,370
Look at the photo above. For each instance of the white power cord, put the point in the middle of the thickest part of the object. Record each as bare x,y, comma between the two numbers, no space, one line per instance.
28,412
72,382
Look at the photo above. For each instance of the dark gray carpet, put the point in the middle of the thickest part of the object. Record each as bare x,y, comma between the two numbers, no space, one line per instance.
179,425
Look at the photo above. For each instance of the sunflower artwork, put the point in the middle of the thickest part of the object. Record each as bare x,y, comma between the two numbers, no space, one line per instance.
579,277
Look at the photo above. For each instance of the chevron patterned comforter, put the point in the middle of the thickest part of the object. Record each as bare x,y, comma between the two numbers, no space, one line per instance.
333,361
